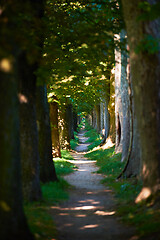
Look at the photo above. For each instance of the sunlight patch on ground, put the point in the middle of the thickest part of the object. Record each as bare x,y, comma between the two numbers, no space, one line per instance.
81,215
64,214
89,200
68,225
81,161
144,194
74,208
103,213
90,226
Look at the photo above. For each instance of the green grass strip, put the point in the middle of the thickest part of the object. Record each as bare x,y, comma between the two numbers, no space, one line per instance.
145,218
40,221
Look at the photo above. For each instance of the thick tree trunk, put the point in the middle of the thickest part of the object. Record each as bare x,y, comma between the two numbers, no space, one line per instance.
125,101
110,111
13,224
47,169
118,102
64,130
56,150
28,130
145,73
133,162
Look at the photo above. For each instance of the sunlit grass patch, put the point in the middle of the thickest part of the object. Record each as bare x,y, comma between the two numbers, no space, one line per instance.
74,142
63,167
94,138
66,155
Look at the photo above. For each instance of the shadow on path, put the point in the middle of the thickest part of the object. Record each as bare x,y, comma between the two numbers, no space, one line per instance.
89,214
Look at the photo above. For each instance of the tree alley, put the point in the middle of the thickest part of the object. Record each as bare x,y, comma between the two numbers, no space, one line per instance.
90,58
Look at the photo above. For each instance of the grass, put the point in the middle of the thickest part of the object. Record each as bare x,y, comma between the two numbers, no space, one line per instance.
144,218
93,137
74,142
40,221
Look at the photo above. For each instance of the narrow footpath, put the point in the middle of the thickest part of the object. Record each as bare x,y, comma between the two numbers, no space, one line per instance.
90,213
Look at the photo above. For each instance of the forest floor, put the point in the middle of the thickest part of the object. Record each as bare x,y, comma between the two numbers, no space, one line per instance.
90,211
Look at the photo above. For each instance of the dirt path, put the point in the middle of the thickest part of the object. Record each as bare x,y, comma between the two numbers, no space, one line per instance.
89,214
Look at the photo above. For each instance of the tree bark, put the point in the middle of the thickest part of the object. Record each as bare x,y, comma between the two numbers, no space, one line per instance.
64,130
56,149
47,169
102,132
145,73
69,118
13,223
28,130
118,102
98,122
124,88
133,160
75,121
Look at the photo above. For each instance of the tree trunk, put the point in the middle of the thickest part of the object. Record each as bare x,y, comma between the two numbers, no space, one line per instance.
13,223
47,169
94,118
102,131
28,130
56,150
133,164
145,73
75,121
118,102
106,118
97,110
124,88
64,130
69,117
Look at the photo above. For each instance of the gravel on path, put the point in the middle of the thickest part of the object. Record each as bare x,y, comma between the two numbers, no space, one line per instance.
89,213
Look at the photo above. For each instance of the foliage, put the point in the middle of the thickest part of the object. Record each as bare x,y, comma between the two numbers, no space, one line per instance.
79,49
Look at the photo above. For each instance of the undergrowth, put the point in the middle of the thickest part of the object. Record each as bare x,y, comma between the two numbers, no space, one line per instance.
74,142
93,137
39,219
144,218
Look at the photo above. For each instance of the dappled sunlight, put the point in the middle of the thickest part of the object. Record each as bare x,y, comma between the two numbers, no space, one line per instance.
81,162
68,225
103,213
87,207
90,226
22,98
80,215
144,194
6,65
63,214
90,200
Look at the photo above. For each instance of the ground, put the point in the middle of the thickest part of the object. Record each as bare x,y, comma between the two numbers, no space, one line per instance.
90,212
